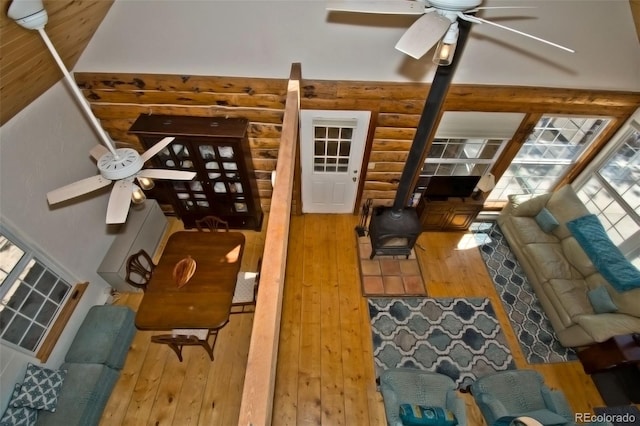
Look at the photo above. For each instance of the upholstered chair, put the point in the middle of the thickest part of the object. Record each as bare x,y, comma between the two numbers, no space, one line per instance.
411,386
503,395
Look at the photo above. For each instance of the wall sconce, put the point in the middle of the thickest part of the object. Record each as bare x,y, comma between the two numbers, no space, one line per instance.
137,195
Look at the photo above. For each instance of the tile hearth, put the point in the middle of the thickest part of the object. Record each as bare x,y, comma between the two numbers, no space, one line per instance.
389,275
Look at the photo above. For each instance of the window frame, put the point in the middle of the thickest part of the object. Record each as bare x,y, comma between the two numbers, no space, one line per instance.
32,252
631,246
568,164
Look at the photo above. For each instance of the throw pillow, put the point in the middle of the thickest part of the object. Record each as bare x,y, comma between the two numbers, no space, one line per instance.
40,388
601,300
18,416
606,257
420,415
546,221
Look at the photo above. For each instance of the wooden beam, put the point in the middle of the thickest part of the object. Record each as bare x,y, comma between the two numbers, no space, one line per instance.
259,382
635,13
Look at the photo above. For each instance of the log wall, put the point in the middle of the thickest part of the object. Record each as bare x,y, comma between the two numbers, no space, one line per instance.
118,99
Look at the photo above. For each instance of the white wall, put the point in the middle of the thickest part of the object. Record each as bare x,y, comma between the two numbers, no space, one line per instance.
43,147
262,39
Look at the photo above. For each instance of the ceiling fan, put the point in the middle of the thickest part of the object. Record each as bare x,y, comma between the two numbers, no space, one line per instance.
438,23
123,166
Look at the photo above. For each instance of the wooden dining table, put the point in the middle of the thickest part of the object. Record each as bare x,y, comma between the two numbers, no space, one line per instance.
205,300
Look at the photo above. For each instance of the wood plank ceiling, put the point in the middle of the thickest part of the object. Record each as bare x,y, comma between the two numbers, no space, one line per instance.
27,69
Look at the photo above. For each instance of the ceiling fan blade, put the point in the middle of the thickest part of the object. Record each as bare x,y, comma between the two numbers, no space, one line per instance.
98,151
119,200
477,20
390,7
76,189
423,34
156,148
166,174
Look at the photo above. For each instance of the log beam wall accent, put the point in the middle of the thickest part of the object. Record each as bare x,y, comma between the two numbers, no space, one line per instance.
259,382
118,99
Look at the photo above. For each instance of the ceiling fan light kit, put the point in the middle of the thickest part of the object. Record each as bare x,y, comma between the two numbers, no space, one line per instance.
446,46
121,166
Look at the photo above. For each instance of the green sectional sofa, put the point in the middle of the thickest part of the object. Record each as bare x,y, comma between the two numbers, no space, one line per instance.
92,364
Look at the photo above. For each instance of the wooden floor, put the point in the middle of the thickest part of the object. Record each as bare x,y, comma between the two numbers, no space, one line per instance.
325,370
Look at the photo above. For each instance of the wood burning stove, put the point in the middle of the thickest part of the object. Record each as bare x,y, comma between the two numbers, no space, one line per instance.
392,234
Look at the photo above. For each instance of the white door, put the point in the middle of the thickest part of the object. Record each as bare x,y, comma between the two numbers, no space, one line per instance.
332,145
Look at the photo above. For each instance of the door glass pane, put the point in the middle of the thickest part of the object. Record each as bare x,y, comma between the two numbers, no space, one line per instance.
332,145
554,145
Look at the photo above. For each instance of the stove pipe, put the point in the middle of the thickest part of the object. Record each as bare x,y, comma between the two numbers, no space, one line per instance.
433,104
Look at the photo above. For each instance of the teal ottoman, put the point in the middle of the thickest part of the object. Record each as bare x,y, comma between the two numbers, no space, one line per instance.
104,337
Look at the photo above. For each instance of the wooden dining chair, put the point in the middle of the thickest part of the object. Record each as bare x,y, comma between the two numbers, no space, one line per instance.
180,338
140,267
246,293
212,223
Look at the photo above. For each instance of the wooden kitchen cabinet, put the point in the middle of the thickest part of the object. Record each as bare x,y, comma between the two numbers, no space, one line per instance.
217,149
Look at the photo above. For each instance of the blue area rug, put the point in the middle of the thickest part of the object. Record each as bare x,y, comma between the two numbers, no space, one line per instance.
536,336
458,337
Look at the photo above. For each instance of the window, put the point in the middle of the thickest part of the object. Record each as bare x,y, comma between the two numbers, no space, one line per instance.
610,189
554,145
459,157
31,295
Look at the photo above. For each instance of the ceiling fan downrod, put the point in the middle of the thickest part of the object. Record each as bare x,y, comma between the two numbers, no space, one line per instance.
32,15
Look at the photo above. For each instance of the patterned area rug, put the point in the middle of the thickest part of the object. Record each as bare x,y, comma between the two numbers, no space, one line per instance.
535,334
457,337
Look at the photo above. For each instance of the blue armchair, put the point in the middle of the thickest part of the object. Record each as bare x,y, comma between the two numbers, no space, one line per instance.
507,394
411,386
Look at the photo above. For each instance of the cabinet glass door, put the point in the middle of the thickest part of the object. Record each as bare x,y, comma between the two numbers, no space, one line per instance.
223,174
191,195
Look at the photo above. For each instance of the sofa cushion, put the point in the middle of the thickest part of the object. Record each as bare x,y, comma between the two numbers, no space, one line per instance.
18,416
529,231
570,297
565,205
602,326
577,257
549,261
628,302
546,220
84,395
528,204
104,336
606,257
601,300
40,388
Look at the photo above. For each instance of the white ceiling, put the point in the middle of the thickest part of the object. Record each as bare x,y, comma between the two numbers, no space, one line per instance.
262,38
